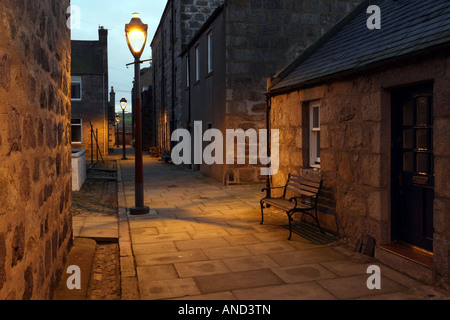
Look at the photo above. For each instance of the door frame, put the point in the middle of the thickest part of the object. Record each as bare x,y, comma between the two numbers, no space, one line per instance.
414,90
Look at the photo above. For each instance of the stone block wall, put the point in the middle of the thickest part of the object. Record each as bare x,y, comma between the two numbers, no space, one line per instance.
180,22
93,110
35,152
262,37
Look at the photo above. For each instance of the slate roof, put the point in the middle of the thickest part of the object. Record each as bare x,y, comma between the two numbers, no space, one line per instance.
87,57
407,27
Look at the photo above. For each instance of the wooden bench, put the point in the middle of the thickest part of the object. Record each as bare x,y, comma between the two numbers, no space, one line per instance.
305,193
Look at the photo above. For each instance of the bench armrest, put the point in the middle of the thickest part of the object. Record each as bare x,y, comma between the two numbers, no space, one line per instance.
267,189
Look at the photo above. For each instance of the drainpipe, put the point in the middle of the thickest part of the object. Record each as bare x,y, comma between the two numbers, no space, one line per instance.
104,116
268,126
172,42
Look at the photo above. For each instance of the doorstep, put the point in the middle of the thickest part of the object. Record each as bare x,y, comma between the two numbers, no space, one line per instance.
412,263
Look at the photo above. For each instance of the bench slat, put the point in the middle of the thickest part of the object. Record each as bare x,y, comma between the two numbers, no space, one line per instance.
309,183
303,187
281,203
306,193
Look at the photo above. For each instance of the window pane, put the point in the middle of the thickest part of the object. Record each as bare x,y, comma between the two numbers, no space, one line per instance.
422,111
76,134
408,114
408,139
197,64
318,144
76,91
210,52
422,163
408,162
316,118
422,139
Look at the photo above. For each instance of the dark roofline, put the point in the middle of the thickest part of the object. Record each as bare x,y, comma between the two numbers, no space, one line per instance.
166,9
205,26
316,45
380,65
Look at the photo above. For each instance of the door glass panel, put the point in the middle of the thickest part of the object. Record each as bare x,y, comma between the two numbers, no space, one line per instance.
422,163
422,111
408,162
422,139
408,111
408,138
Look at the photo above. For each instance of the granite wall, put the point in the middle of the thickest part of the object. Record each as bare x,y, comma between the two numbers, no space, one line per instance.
35,152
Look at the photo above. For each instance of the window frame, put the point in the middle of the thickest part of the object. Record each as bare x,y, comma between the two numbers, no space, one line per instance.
188,72
76,80
197,62
81,130
209,45
314,134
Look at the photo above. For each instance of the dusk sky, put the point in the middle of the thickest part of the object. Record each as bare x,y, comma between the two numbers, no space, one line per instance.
113,15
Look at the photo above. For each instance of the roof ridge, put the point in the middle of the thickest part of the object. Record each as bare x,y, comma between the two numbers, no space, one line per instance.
319,43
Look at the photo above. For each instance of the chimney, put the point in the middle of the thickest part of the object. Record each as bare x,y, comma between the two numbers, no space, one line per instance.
112,97
103,35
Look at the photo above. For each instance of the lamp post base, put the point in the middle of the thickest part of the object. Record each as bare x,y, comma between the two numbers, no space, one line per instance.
137,211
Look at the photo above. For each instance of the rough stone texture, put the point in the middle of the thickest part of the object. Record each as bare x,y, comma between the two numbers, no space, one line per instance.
355,149
180,22
35,177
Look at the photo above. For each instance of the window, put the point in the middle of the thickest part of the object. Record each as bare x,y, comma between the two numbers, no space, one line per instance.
77,131
210,54
76,88
197,64
188,77
314,140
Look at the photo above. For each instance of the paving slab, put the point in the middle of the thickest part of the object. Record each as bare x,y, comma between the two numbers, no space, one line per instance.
354,287
299,291
167,289
105,228
200,268
170,257
236,280
248,263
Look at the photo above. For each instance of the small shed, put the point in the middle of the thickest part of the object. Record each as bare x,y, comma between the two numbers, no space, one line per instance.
368,111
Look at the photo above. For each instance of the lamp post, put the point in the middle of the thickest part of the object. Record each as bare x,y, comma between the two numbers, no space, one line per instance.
136,34
117,130
123,105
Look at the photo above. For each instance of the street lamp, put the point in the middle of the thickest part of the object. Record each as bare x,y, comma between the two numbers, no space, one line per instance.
123,105
117,130
136,34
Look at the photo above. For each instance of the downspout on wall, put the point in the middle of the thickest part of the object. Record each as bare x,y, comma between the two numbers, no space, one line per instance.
269,136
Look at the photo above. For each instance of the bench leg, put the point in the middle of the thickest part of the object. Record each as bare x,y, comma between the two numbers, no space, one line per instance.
318,223
262,212
290,224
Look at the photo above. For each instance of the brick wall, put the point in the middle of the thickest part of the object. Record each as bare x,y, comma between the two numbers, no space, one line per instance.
35,153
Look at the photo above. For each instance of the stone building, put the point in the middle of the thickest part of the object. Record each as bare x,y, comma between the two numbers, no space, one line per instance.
367,111
179,23
148,112
35,151
225,66
90,111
